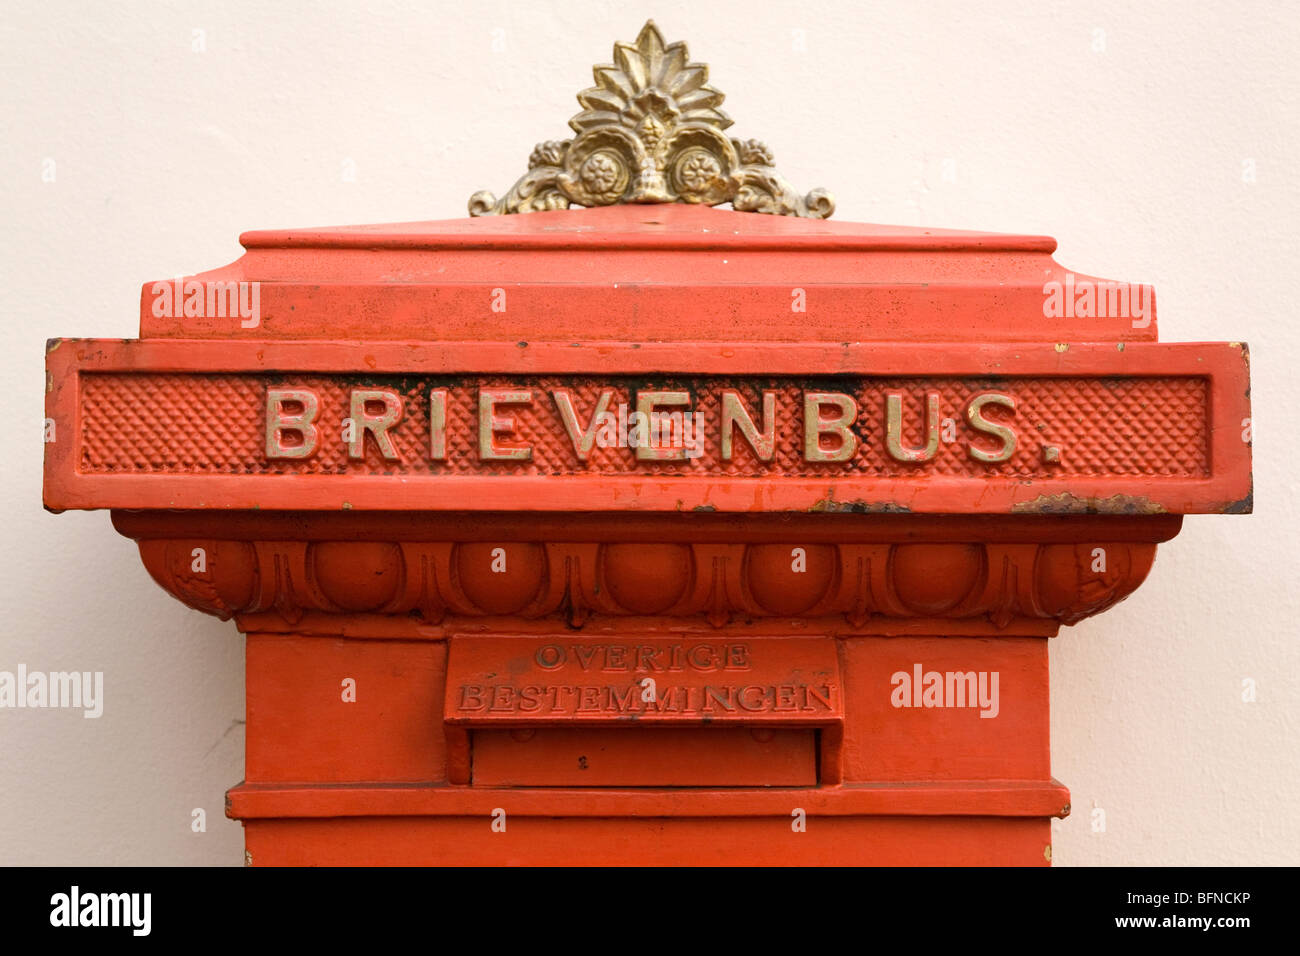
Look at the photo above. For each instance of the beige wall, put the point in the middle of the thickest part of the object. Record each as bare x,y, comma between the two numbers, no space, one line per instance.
1122,129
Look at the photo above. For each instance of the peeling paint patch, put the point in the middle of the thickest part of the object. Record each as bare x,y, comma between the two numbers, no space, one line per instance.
1244,506
859,507
1068,504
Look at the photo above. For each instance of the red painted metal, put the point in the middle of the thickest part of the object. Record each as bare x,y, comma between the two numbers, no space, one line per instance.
843,610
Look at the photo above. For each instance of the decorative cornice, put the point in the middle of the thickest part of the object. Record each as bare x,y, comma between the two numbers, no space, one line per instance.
651,131
997,583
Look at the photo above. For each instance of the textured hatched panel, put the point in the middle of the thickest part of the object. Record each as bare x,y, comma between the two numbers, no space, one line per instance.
213,424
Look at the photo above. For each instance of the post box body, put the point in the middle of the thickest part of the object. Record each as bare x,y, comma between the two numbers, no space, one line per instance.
647,534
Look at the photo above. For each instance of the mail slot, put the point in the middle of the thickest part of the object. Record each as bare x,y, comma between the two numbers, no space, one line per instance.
645,757
609,518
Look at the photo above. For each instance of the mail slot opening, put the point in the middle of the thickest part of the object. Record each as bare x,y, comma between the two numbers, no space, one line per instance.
644,757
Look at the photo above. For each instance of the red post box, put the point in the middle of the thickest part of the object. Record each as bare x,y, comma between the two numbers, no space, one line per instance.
648,531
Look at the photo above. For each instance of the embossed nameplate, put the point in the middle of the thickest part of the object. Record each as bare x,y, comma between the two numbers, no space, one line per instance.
514,681
1143,428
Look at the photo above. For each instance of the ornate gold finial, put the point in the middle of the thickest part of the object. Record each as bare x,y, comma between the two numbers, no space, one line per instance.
651,132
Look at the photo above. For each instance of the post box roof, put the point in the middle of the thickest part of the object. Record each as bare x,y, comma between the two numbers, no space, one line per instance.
646,226
667,272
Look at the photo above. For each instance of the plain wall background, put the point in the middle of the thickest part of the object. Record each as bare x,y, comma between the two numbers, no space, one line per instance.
1128,131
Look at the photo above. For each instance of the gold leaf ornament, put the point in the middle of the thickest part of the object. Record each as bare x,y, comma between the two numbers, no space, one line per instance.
651,131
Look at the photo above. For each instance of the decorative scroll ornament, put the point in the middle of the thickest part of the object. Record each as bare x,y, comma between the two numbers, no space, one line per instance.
651,132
